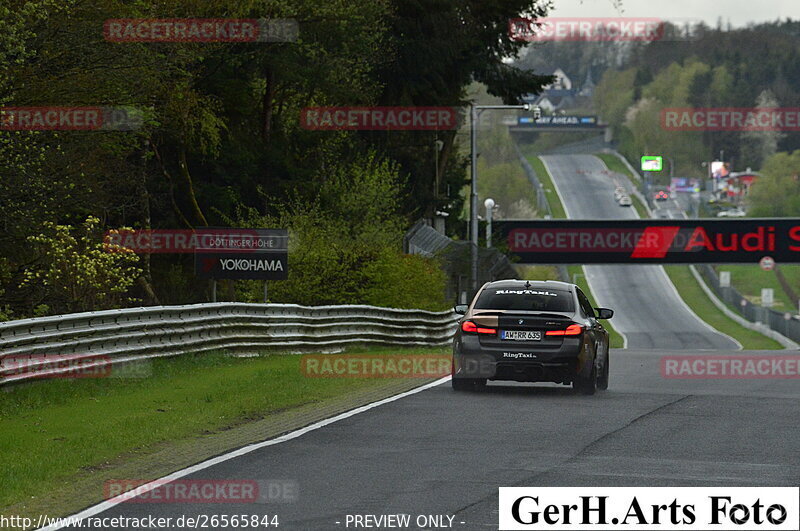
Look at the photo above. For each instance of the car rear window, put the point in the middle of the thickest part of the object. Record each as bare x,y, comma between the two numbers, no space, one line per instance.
526,299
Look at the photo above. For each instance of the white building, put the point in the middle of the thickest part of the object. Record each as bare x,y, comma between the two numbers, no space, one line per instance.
562,81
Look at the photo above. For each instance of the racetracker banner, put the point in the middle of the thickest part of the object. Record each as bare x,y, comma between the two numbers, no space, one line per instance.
646,241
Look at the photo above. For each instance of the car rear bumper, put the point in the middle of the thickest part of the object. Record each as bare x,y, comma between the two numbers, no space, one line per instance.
516,363
536,372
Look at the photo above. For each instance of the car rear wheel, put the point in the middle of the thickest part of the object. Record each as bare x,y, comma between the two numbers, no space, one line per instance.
603,383
587,385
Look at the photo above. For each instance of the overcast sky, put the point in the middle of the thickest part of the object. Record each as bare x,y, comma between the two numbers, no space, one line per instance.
738,12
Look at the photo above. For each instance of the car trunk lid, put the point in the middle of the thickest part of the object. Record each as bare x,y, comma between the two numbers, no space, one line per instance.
527,330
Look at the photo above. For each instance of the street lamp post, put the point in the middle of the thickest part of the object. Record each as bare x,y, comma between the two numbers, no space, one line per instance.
489,204
475,112
437,148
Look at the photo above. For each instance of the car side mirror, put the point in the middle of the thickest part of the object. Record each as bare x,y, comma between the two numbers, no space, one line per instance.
460,309
604,313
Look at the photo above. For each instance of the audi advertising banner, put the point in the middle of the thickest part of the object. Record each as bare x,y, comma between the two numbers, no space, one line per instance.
253,254
647,241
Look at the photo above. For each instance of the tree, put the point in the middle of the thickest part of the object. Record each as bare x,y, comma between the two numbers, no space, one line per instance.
758,146
221,129
777,192
440,47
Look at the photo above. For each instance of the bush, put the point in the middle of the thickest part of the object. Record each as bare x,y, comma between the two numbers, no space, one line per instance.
344,248
80,273
399,280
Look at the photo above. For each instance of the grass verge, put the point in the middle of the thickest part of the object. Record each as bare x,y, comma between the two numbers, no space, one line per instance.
695,297
748,279
549,189
613,163
640,208
61,433
537,272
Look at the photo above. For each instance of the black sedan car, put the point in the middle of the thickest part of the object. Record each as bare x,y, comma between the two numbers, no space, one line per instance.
531,331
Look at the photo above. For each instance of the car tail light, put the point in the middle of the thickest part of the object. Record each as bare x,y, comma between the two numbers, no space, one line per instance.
471,328
572,330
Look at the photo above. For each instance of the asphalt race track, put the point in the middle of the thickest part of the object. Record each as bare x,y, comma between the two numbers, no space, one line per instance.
648,310
438,452
441,452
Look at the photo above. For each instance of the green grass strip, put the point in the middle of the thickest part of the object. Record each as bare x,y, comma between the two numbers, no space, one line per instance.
54,431
549,189
614,164
695,297
537,272
640,208
749,279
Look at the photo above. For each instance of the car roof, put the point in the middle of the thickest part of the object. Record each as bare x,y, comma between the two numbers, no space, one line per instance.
513,283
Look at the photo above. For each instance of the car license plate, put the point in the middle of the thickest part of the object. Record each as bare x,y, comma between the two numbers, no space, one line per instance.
522,335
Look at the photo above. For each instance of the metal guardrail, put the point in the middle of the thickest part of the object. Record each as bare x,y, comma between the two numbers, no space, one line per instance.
785,323
29,348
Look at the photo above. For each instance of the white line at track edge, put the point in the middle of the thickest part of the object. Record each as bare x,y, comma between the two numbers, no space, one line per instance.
108,504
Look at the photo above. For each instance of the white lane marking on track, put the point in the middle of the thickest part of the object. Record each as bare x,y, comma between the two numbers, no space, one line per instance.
108,504
585,273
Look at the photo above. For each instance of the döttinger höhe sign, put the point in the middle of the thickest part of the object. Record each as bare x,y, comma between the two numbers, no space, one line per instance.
253,254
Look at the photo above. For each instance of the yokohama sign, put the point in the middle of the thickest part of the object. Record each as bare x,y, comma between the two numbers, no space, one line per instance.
262,255
653,241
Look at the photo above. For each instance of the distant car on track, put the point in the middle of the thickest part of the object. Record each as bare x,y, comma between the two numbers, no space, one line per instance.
625,201
732,213
619,192
531,331
661,195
